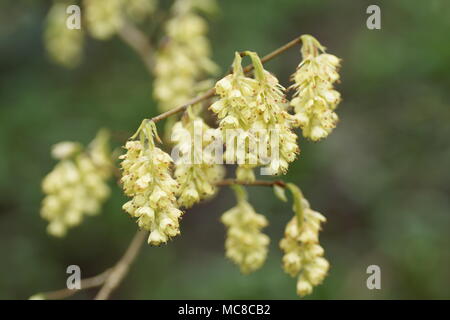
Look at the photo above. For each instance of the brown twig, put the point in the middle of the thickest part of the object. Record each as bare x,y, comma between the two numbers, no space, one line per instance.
119,271
206,95
263,183
108,279
275,53
87,283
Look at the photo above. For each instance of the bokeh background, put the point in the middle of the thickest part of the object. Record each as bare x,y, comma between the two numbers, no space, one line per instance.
382,178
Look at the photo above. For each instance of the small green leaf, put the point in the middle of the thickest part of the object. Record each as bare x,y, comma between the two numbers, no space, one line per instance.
280,193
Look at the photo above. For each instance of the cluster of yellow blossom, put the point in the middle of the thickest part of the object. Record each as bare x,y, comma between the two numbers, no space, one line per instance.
196,169
103,19
303,255
315,99
139,10
77,186
147,179
245,244
184,59
64,45
256,107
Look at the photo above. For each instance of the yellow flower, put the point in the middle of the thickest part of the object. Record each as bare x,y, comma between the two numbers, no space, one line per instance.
147,179
245,244
64,45
138,10
77,186
303,256
103,17
65,149
195,170
315,99
256,108
184,60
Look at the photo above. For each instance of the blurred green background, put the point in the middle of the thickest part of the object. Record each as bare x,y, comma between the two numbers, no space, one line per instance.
382,178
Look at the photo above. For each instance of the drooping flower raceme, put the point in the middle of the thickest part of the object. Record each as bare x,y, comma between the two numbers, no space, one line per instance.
138,10
64,45
147,179
303,255
256,109
315,99
104,18
196,168
183,61
245,244
77,186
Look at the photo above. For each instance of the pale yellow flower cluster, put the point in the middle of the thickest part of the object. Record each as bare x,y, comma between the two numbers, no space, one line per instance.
303,255
245,244
147,179
183,61
77,186
256,107
196,170
64,45
315,99
105,17
139,10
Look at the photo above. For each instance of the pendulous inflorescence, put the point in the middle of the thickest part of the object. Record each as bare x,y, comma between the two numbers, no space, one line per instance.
255,107
64,45
139,10
314,99
183,60
77,186
104,21
196,168
303,255
245,244
147,179
102,18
